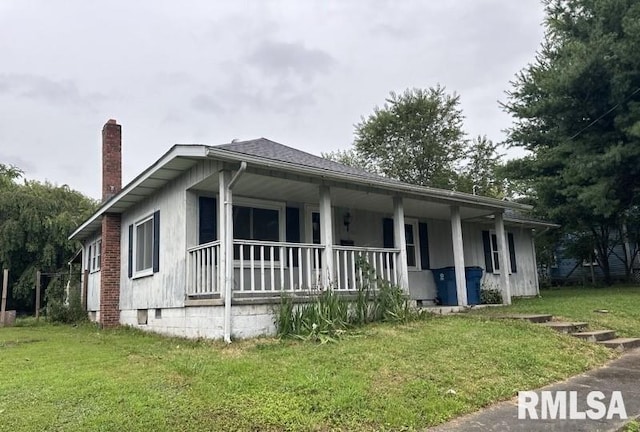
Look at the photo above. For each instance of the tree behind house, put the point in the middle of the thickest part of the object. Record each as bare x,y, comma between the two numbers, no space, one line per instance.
577,109
35,221
481,174
416,137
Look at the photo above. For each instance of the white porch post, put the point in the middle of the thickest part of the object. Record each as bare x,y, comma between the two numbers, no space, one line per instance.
225,228
504,259
223,180
400,242
458,255
535,260
326,236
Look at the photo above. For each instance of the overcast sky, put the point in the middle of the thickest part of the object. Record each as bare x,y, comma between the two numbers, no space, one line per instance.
298,72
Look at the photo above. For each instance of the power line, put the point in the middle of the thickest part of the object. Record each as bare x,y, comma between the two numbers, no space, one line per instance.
605,114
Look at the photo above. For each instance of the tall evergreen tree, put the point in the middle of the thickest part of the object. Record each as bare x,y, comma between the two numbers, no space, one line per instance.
577,110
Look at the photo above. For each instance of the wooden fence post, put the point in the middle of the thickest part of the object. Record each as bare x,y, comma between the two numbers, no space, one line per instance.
38,274
5,287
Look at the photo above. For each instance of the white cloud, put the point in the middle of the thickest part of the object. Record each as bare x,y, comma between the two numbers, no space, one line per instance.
298,72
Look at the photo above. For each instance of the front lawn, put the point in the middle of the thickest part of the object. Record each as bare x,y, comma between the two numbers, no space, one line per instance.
621,303
379,377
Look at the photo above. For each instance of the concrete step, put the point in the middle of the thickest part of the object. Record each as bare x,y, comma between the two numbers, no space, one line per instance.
621,344
534,318
596,335
566,327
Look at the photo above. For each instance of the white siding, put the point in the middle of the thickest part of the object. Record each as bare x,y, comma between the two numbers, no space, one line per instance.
178,208
165,289
440,243
93,280
365,228
523,282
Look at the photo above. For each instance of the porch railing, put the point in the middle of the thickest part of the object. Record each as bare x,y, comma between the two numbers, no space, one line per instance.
270,267
262,266
203,269
354,264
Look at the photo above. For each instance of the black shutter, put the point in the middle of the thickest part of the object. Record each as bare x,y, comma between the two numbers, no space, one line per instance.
424,246
208,220
293,231
387,233
512,253
156,241
486,242
130,261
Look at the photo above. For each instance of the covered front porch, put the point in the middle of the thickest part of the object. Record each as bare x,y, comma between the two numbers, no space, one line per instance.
254,232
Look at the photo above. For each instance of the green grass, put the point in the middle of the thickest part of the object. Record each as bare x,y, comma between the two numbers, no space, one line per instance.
379,377
581,304
632,426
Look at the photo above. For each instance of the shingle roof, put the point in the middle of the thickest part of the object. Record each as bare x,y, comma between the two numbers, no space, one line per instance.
517,216
268,149
264,148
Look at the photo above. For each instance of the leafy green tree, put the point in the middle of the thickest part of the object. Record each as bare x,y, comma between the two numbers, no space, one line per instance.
481,174
35,222
577,110
352,158
416,137
8,175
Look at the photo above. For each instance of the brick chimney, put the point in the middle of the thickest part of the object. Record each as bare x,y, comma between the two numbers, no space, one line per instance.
110,259
111,159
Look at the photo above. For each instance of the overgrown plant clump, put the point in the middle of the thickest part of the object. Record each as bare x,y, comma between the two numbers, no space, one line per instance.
61,311
490,296
322,320
330,314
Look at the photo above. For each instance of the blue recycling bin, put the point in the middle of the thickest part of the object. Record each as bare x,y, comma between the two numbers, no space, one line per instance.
473,275
445,279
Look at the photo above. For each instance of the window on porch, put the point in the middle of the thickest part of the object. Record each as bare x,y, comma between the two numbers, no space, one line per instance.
411,241
416,239
492,252
255,223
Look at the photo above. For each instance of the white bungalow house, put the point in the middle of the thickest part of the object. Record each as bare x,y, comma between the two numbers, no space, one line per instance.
205,240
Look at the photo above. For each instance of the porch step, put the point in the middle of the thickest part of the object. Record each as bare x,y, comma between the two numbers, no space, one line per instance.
565,327
596,335
606,338
534,318
621,344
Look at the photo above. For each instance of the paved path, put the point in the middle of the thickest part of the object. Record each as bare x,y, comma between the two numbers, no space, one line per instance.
622,374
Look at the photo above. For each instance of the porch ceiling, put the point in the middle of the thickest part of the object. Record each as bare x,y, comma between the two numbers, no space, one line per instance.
255,185
264,187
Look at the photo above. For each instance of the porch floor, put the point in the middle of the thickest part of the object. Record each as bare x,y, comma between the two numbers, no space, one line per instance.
445,310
